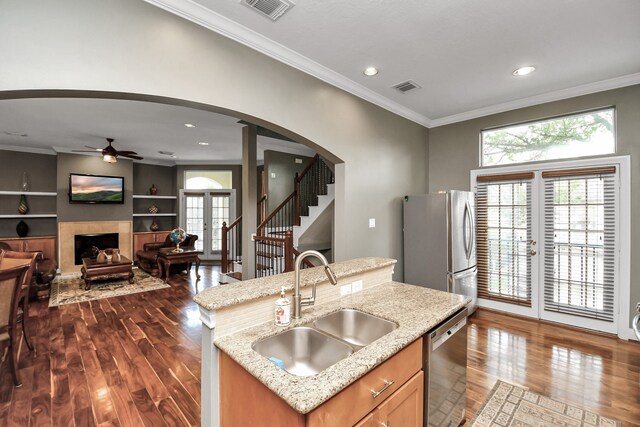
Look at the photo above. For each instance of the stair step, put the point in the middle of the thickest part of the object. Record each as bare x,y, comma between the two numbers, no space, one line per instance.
268,254
235,275
263,267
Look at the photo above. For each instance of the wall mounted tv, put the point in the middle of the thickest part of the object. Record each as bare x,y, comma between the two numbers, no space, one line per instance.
95,188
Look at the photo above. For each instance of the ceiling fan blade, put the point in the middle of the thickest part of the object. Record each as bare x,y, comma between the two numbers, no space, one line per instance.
126,152
84,151
131,156
93,148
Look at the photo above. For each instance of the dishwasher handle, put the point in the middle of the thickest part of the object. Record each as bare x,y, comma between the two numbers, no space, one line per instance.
448,334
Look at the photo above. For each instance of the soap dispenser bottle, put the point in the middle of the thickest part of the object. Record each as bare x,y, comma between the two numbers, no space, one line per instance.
283,309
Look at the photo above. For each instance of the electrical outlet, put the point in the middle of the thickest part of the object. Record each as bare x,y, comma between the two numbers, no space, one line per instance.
345,290
356,286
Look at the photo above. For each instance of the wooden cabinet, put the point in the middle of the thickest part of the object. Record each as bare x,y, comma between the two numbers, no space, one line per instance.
390,392
139,239
402,408
44,244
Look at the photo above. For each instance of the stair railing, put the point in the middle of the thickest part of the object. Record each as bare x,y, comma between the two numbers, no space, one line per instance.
231,244
262,208
279,250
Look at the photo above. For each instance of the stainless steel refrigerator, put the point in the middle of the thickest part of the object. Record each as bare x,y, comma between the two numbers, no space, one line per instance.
439,242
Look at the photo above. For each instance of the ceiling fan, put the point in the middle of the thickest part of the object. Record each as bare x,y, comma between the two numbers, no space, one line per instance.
110,154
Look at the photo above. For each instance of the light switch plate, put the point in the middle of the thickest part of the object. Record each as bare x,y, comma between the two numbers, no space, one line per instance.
273,174
372,223
298,160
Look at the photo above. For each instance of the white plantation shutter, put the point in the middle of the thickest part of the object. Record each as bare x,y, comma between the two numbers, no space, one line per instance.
580,241
503,212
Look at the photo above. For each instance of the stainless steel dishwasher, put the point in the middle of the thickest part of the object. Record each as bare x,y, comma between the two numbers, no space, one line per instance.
445,368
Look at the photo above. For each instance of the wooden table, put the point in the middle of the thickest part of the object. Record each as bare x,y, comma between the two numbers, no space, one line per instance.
91,269
167,256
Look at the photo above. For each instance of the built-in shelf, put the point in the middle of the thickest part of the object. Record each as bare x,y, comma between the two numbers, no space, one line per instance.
158,214
29,216
30,193
146,196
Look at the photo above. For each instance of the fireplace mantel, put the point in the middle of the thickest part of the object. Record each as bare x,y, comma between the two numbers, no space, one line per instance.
67,231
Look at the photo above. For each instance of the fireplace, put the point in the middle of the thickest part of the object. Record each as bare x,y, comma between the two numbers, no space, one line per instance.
83,243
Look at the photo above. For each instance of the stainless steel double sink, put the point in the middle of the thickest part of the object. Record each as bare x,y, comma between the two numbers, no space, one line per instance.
308,350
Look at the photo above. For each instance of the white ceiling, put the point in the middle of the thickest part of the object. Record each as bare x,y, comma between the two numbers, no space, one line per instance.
462,52
65,124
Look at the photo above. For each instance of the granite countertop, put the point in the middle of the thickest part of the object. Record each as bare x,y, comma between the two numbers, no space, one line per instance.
219,297
416,310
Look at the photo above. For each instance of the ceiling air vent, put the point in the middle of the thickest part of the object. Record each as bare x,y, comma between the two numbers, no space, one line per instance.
166,153
407,86
273,9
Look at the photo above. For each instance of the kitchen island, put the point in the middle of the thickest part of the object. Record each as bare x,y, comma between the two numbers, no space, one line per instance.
236,316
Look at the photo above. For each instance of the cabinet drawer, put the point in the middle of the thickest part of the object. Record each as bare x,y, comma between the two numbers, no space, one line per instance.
356,401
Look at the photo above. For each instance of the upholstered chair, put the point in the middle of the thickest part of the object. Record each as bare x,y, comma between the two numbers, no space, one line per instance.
14,259
11,281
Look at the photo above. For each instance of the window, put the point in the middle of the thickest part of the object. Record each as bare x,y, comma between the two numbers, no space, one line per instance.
207,180
577,135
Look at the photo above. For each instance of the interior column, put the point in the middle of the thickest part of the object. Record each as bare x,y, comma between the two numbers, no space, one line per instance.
249,200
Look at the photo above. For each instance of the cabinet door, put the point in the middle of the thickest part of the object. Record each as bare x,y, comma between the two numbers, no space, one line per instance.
140,239
404,408
46,245
368,421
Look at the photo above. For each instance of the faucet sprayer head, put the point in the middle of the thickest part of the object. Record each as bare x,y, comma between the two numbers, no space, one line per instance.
331,275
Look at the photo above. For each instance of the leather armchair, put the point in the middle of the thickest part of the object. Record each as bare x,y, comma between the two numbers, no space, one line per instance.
148,257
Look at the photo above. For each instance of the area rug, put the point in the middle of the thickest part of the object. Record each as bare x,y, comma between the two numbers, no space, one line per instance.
511,405
69,290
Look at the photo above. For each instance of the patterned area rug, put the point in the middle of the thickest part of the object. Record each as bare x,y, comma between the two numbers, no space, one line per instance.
69,290
510,405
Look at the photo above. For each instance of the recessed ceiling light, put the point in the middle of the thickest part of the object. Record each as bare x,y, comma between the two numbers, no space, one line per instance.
523,71
173,156
189,125
370,71
203,143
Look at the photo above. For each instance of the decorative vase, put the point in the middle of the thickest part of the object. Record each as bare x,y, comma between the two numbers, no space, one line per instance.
154,226
23,207
153,209
102,257
115,255
26,184
22,229
153,190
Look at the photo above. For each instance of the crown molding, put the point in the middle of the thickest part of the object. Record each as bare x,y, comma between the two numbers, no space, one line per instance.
586,89
213,21
24,149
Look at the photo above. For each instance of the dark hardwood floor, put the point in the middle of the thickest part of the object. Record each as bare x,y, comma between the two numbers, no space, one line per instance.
135,360
593,371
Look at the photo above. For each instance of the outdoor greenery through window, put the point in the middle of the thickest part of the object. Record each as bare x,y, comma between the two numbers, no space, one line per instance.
578,135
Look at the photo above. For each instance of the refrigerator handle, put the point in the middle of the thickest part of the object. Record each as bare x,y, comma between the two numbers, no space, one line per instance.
472,223
465,234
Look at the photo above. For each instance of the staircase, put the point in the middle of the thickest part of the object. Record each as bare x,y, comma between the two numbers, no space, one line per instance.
302,221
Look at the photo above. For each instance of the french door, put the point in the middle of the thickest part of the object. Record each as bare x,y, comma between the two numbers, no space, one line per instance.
202,212
548,241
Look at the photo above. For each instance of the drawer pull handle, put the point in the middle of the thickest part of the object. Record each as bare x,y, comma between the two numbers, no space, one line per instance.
387,384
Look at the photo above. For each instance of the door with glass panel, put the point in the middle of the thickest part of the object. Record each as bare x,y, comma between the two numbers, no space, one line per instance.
203,212
547,243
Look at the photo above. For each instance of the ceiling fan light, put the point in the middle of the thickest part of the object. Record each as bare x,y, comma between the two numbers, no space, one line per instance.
109,158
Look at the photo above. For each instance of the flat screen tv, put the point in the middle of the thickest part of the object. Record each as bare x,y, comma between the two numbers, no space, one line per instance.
95,188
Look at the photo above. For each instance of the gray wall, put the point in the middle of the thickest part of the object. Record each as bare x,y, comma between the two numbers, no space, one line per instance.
454,150
236,178
68,44
41,169
285,168
93,165
164,177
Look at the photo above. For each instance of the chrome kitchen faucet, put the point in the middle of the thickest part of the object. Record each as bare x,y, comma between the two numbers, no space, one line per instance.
298,301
